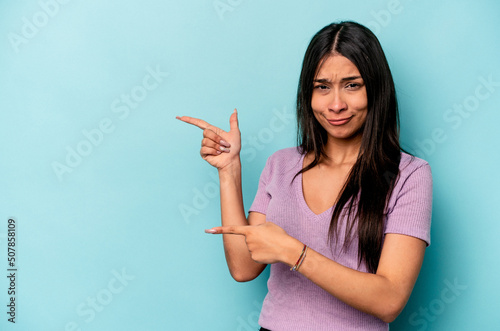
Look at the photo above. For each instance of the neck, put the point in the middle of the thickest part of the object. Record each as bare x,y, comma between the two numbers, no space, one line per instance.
342,151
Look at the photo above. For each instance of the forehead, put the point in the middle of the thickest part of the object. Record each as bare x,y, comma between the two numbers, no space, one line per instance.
336,67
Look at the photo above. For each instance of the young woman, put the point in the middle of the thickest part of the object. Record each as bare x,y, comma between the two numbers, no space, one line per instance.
344,218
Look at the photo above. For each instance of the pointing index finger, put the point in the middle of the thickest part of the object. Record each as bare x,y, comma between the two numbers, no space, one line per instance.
241,230
194,121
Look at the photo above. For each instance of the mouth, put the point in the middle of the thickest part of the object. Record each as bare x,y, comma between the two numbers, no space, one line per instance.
340,121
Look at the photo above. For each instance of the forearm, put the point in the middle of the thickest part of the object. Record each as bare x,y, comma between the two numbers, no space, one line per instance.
221,150
370,293
231,197
383,294
239,261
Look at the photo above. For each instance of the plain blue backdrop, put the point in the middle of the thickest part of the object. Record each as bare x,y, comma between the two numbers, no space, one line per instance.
111,197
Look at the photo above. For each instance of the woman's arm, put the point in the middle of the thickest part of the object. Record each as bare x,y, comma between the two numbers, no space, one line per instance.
383,294
222,150
240,263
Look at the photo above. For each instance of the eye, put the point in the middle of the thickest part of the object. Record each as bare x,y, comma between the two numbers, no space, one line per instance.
321,87
353,86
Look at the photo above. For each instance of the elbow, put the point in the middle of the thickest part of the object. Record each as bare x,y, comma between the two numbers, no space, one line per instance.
389,318
391,310
240,275
241,279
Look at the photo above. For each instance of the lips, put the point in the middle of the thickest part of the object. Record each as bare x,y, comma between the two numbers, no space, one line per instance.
340,121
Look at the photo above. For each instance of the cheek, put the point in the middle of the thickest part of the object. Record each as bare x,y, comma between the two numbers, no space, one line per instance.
358,103
315,103
362,119
318,114
316,107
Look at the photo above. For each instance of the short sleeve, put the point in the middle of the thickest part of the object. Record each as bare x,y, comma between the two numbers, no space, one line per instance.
410,207
263,196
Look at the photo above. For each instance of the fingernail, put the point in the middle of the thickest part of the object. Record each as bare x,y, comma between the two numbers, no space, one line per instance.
224,149
225,143
219,152
210,231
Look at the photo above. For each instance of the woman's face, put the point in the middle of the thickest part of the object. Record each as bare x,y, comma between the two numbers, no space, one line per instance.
339,100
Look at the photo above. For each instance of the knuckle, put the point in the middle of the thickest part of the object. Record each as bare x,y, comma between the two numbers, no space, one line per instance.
204,151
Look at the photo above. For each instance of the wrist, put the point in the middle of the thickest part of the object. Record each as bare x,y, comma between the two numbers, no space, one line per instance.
231,170
292,252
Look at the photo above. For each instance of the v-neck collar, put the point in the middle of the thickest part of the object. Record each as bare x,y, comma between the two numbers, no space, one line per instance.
300,193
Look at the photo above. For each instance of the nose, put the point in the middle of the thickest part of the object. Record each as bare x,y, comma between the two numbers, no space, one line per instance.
337,103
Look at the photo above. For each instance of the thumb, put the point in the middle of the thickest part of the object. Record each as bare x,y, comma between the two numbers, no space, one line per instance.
233,121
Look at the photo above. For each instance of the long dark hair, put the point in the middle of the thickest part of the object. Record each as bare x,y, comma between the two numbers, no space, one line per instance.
371,180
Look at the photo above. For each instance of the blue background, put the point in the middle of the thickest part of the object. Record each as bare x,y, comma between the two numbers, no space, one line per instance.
112,238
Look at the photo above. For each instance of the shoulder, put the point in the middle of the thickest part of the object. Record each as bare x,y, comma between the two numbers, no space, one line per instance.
412,165
285,155
285,160
414,181
286,152
412,161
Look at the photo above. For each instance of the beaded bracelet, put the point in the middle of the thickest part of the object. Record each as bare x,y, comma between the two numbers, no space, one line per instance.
300,260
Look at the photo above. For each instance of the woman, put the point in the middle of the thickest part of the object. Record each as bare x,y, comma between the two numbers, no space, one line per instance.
344,218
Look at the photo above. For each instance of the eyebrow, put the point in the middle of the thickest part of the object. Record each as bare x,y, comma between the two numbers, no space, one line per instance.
324,80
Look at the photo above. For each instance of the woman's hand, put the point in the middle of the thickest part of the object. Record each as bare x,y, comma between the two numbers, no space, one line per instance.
267,243
218,147
222,150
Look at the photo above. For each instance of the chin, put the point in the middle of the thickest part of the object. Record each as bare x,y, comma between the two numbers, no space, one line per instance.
345,135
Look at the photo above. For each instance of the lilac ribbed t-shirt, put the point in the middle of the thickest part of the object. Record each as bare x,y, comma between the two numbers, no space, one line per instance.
293,301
